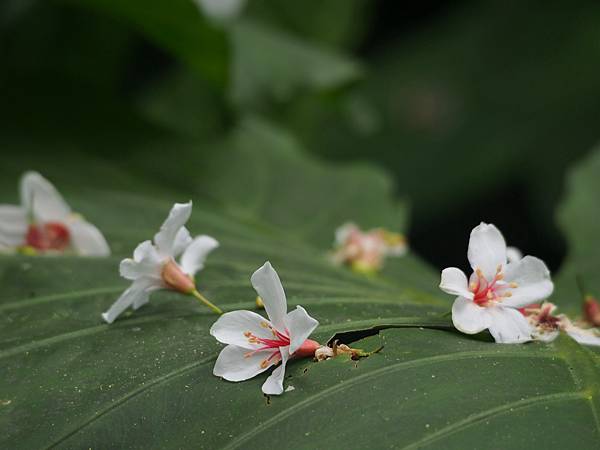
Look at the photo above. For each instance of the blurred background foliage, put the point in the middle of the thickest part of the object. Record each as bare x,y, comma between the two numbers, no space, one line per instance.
477,109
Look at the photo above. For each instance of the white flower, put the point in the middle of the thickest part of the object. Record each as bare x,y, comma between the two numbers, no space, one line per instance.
546,326
255,344
365,251
153,266
221,10
513,254
45,222
496,289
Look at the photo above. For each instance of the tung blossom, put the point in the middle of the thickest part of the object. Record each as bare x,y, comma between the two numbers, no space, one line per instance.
490,298
45,223
154,267
546,326
365,251
255,343
221,11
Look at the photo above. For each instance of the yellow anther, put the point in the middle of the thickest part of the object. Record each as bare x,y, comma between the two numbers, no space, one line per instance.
473,286
507,294
513,285
264,325
499,268
500,276
479,273
264,363
247,334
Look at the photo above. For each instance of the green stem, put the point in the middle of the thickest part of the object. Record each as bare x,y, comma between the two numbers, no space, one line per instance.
207,302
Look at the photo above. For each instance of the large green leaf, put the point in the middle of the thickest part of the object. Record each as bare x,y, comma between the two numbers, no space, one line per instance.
71,381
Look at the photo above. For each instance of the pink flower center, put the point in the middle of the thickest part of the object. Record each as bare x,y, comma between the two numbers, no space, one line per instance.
266,344
49,236
542,316
486,292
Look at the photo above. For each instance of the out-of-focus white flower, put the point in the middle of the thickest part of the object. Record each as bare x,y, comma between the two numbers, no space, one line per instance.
255,344
221,10
546,326
45,223
153,266
365,251
496,289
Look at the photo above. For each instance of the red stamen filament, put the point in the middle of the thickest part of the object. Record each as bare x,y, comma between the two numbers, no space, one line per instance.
485,292
281,340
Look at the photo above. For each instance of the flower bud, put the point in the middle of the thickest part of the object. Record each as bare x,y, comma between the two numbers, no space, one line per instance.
591,311
176,279
307,349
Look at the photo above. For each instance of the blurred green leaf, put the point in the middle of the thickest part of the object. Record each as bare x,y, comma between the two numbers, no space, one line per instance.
270,65
481,100
335,23
177,26
578,218
185,103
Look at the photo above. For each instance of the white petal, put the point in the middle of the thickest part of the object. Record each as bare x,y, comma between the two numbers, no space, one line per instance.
266,282
145,263
41,199
342,233
13,226
300,325
237,364
195,254
508,326
584,337
230,328
533,282
468,317
165,238
87,239
182,241
546,336
487,249
454,281
137,293
513,254
274,384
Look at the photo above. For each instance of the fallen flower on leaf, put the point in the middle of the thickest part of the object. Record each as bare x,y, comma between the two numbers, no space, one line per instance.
44,223
153,266
497,288
255,344
546,326
365,251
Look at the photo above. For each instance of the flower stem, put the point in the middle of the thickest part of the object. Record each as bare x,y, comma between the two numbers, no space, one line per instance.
207,302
